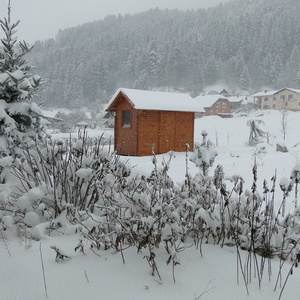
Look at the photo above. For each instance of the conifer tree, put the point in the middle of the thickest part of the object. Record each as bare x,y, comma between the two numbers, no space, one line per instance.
245,79
19,118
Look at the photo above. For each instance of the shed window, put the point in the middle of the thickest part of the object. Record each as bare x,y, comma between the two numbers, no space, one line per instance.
126,118
282,97
290,96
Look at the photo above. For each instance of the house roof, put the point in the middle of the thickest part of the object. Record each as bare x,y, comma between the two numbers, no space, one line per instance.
55,112
88,115
293,90
153,100
225,93
108,115
82,123
209,100
271,93
264,93
236,99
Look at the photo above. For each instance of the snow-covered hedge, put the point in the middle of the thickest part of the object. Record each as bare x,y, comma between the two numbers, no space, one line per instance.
79,185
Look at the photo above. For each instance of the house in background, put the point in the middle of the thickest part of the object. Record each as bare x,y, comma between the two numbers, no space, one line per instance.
225,93
237,101
284,99
82,125
86,120
148,122
57,113
109,120
56,117
214,105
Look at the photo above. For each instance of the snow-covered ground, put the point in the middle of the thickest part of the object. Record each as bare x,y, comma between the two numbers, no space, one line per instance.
211,276
237,158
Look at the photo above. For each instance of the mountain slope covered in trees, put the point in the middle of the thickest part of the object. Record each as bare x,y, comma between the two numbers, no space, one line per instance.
247,44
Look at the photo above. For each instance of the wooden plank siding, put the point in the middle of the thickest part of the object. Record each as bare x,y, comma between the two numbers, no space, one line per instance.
148,130
125,136
163,131
167,131
184,131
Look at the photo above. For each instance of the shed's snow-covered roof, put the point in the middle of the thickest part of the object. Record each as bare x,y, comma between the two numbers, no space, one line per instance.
153,100
209,100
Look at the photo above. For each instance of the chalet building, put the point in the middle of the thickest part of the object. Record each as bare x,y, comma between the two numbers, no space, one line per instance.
284,99
82,125
109,120
214,105
148,122
225,93
237,101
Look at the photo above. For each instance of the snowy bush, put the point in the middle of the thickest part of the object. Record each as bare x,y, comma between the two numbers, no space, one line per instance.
256,133
65,173
204,154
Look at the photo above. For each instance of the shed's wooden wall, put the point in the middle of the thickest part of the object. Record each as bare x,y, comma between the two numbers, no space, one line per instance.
125,136
163,131
148,130
184,131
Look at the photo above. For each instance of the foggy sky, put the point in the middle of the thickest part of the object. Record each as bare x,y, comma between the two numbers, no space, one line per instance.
41,19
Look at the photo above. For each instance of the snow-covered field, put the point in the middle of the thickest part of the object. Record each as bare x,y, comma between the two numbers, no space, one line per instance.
211,276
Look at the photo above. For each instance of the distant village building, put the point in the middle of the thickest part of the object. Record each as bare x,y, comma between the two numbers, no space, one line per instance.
109,120
148,122
55,117
225,93
57,113
86,120
284,99
82,125
237,101
214,105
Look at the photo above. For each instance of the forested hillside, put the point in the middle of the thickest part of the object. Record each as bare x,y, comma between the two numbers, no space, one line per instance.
246,43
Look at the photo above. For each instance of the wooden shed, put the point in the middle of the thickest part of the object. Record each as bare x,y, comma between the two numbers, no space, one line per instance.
148,122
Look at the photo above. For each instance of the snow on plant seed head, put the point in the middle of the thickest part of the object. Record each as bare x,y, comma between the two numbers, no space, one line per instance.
284,183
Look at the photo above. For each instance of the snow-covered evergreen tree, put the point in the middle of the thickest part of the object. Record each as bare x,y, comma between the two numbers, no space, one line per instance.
19,119
245,79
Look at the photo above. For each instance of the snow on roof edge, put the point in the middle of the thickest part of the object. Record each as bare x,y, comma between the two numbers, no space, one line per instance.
271,93
155,100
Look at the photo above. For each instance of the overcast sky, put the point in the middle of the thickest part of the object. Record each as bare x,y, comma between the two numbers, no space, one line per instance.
41,19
